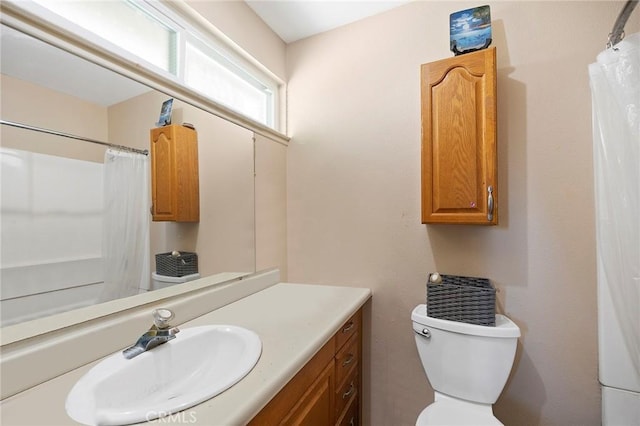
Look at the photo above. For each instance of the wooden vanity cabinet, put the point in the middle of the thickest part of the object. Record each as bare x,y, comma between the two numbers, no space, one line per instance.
326,391
174,174
459,147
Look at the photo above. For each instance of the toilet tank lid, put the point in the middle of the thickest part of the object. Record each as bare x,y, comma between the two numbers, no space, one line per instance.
504,326
168,279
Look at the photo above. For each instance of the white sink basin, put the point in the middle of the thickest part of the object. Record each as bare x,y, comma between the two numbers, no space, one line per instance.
198,364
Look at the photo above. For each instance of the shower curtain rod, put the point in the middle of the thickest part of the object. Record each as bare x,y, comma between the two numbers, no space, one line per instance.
617,33
70,136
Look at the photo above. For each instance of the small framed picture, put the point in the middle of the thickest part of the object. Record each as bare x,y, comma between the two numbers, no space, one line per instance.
165,113
470,30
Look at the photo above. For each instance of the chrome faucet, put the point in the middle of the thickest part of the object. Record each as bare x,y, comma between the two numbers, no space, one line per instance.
159,333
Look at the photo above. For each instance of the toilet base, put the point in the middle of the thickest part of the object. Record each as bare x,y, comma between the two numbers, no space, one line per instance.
449,411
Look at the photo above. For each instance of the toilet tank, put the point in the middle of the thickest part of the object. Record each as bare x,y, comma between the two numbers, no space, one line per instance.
466,361
159,281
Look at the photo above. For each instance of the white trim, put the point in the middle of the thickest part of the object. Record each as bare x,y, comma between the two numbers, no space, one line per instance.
206,27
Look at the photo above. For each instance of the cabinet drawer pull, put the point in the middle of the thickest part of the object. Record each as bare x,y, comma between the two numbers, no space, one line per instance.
348,327
348,393
490,203
348,361
352,422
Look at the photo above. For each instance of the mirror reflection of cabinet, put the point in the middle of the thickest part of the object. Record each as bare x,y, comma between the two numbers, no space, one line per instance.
459,156
174,174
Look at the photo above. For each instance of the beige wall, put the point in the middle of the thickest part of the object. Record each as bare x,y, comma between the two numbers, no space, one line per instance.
354,196
27,103
271,205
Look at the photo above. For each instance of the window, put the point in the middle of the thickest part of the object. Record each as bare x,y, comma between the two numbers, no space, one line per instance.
123,24
153,33
218,79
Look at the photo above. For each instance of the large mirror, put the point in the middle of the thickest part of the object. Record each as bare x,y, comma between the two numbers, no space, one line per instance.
52,191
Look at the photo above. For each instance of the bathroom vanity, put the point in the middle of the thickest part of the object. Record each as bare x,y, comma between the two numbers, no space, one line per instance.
310,363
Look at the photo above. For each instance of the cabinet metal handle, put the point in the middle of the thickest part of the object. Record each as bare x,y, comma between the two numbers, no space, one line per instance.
348,360
490,203
348,327
348,393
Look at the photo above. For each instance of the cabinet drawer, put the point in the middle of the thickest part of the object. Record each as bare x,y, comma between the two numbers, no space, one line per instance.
351,414
346,392
347,359
348,329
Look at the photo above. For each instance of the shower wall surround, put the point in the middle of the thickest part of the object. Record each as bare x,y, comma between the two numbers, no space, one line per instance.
51,210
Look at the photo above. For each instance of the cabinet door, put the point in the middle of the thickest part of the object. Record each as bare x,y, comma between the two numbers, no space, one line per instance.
459,155
163,175
308,399
174,174
315,408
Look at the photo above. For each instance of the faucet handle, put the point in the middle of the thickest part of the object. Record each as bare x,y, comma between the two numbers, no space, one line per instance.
162,316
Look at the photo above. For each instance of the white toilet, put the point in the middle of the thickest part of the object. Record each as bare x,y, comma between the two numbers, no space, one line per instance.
467,366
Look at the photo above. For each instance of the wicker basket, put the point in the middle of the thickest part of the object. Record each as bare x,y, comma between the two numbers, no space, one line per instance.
464,299
176,266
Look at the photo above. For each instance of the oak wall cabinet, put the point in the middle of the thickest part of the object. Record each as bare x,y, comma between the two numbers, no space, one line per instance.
327,390
459,147
174,174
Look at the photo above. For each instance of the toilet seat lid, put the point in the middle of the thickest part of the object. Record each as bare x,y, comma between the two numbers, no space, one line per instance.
450,413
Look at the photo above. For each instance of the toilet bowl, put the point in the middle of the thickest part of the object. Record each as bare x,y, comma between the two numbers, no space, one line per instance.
467,366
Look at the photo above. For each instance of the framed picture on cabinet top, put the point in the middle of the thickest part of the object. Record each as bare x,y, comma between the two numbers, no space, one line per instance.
165,113
470,30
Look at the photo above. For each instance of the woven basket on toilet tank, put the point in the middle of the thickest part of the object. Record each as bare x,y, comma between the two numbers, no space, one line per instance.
184,263
463,299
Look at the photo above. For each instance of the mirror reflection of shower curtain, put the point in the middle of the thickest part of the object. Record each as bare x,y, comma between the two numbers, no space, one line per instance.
126,225
615,88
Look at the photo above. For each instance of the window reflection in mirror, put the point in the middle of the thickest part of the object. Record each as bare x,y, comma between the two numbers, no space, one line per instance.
51,199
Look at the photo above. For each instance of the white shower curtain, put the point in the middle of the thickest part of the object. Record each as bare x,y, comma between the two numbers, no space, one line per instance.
615,88
125,247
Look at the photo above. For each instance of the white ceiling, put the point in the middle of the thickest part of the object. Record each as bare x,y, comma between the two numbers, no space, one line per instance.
297,19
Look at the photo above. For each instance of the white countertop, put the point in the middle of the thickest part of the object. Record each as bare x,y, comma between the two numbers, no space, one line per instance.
293,320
